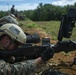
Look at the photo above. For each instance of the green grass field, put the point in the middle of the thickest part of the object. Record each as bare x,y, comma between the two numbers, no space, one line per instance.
50,27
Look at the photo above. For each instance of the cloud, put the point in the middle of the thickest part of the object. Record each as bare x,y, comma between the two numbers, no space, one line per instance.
33,6
26,6
19,7
3,8
64,2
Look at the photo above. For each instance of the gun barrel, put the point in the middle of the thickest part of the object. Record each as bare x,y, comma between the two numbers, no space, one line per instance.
65,46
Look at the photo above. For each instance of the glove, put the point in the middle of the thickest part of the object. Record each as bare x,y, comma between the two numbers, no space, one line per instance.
47,54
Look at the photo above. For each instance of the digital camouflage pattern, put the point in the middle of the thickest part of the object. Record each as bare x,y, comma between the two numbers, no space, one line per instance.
20,68
27,67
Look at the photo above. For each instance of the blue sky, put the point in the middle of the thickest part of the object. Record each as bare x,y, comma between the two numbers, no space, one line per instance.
31,4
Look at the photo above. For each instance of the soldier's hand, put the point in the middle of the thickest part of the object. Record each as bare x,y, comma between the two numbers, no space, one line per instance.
47,54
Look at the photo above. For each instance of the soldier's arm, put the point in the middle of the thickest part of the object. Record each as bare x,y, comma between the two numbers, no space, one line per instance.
24,67
19,68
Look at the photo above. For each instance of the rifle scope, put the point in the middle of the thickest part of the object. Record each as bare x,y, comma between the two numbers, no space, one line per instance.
35,38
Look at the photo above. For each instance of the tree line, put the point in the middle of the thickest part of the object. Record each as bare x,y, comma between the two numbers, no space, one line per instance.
45,12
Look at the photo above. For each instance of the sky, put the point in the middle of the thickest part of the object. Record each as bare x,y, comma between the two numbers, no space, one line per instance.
5,5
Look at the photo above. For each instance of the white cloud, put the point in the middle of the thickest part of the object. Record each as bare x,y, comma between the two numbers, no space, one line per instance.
26,6
19,7
3,8
64,2
34,6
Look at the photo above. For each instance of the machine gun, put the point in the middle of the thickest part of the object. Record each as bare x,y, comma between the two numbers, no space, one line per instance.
31,52
67,24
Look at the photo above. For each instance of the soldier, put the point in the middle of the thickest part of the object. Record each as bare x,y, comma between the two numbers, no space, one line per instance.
9,19
13,10
12,37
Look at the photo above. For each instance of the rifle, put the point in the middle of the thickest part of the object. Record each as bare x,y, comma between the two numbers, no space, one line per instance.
31,52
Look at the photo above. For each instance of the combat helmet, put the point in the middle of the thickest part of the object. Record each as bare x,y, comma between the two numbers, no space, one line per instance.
13,31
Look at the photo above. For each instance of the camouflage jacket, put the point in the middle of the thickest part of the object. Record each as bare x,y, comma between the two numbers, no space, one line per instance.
20,68
27,67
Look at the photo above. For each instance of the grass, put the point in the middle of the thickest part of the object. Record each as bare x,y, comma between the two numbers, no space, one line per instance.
28,23
50,27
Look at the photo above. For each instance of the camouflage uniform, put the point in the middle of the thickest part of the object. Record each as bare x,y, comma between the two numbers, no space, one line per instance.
20,68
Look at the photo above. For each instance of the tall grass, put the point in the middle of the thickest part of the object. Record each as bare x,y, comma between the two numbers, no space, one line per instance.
50,27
